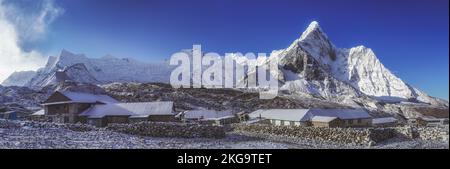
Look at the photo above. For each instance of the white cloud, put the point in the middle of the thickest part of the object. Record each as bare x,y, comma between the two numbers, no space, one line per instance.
19,25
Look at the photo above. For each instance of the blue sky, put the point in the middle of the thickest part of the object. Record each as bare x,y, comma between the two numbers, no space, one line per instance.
410,37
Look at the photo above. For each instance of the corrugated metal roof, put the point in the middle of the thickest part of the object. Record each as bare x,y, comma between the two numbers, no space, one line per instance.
208,114
282,114
308,114
325,119
384,120
88,98
143,109
341,113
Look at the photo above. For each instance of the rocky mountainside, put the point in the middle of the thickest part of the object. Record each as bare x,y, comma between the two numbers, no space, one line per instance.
203,98
19,78
23,96
238,100
31,98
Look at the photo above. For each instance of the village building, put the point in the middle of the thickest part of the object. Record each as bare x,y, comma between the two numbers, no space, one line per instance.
325,121
210,117
347,117
281,117
101,115
314,117
431,121
384,122
100,110
65,106
10,115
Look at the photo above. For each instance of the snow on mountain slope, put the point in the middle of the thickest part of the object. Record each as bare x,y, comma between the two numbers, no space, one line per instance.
365,72
76,73
18,78
103,70
313,65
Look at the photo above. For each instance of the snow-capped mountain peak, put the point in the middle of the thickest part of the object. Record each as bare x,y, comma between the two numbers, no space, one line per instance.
312,64
313,31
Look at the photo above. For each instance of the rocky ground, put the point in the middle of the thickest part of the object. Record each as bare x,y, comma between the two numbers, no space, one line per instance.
34,137
24,100
22,135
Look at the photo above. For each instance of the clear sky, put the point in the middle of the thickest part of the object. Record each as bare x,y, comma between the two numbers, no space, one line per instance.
410,37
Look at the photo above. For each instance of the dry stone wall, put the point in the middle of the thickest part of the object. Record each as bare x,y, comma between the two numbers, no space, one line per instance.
163,129
361,136
424,133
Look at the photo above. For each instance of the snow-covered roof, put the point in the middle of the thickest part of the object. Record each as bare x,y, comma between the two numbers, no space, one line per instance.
79,97
384,120
134,110
87,97
39,113
208,114
325,119
309,114
282,114
341,113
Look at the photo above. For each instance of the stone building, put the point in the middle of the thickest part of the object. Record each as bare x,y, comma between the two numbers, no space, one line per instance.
315,117
384,122
65,106
101,115
282,117
210,117
99,110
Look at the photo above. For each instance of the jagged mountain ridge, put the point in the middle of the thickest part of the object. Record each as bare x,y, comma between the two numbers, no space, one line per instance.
108,69
313,65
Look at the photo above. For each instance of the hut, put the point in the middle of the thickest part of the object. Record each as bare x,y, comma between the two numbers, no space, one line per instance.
283,117
315,117
100,110
10,115
101,115
384,122
65,106
211,117
347,117
324,121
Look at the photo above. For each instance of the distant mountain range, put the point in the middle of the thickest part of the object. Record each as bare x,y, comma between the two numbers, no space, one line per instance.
311,66
79,68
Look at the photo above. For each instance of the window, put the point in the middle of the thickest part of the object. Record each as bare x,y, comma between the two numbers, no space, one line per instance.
359,121
350,121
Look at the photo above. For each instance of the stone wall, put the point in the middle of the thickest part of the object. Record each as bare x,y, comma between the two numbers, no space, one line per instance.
6,124
164,129
361,136
433,133
424,133
341,135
